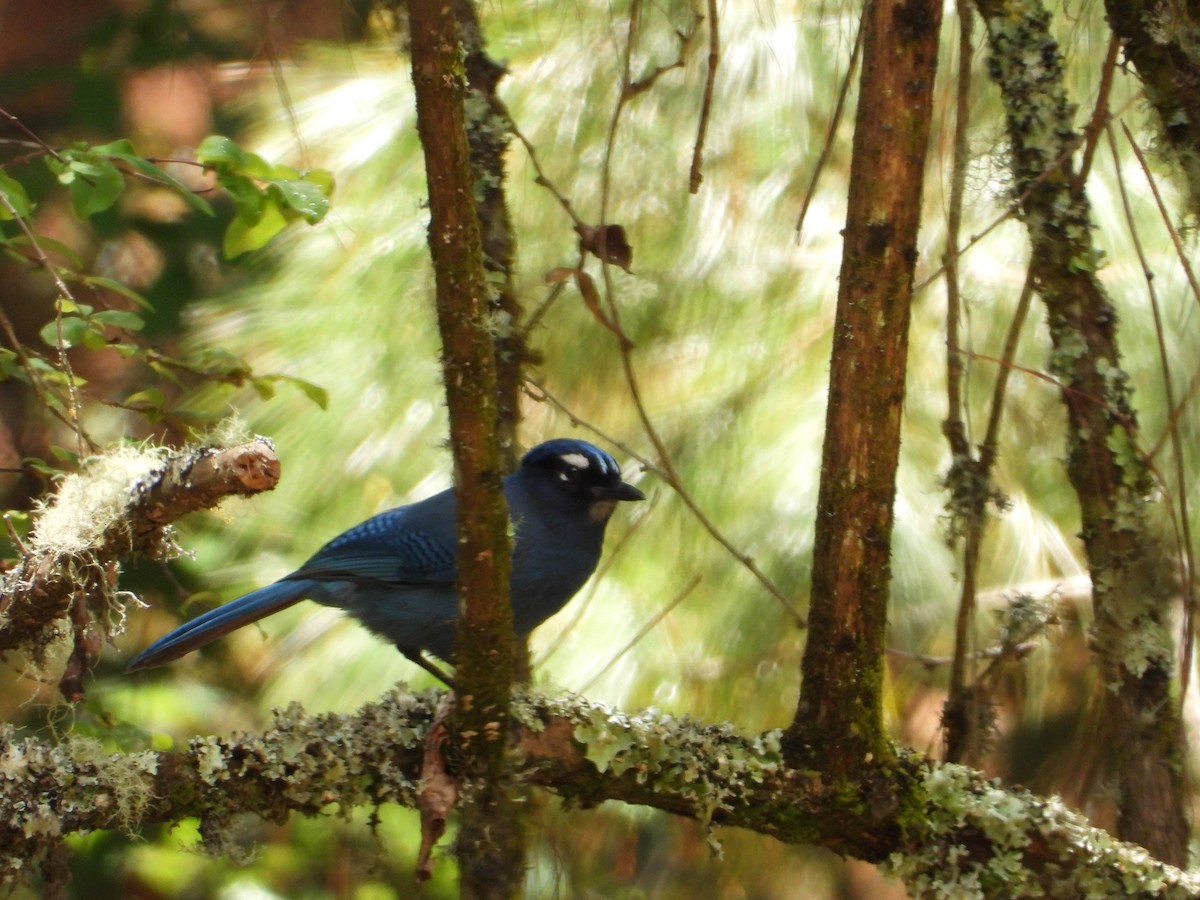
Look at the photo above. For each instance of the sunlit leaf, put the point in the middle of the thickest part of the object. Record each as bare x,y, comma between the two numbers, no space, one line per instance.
97,184
48,244
242,236
117,287
306,198
124,151
72,331
120,318
15,200
313,392
150,397
222,153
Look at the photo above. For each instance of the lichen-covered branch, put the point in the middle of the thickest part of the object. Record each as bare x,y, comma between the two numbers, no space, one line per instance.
970,837
120,503
1133,645
1161,40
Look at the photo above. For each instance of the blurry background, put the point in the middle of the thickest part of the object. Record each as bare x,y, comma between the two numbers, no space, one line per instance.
730,311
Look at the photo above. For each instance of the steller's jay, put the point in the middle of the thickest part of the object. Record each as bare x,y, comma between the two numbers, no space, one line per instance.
396,571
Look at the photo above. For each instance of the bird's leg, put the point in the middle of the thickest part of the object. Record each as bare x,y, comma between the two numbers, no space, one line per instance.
429,666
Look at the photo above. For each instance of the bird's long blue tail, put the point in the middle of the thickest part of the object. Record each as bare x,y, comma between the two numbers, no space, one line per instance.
220,621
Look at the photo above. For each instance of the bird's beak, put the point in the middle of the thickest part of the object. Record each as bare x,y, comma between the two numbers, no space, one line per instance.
625,491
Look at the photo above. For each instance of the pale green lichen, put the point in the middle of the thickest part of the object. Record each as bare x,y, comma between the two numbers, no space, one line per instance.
91,501
710,766
977,833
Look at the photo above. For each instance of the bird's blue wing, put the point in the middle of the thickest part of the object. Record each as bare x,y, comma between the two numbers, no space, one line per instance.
412,545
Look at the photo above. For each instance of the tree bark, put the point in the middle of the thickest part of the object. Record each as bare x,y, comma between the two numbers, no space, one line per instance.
1134,648
961,834
117,504
1159,39
490,852
839,719
488,134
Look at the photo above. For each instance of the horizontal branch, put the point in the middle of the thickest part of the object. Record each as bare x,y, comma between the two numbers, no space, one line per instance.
942,828
120,503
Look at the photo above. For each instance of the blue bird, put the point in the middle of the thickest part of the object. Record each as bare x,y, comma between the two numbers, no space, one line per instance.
396,572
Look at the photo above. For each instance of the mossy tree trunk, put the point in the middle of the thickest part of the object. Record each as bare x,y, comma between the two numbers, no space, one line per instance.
490,852
488,134
839,719
1161,40
1135,651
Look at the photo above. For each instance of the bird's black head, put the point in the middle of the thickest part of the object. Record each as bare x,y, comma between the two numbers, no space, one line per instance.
582,471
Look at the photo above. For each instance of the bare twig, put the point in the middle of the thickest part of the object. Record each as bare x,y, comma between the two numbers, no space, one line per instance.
642,632
1000,651
37,141
835,122
1100,118
669,475
73,416
710,81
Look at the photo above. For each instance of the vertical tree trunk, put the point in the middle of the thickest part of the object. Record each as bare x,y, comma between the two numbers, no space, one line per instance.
1133,645
489,847
839,719
1159,39
488,134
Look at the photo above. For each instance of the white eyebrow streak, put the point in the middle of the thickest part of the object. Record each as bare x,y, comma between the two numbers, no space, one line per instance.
578,460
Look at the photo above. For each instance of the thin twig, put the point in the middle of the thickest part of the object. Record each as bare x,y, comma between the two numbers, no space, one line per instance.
75,418
955,426
1100,118
1180,250
669,475
642,632
835,122
1014,206
1000,651
710,81
21,126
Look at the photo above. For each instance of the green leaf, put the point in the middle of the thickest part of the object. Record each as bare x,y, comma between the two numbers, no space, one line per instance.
220,152
306,198
64,454
16,201
73,331
323,179
93,337
218,361
248,198
242,237
126,349
150,397
10,365
217,149
97,185
120,318
40,466
117,287
313,392
263,387
48,244
123,150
